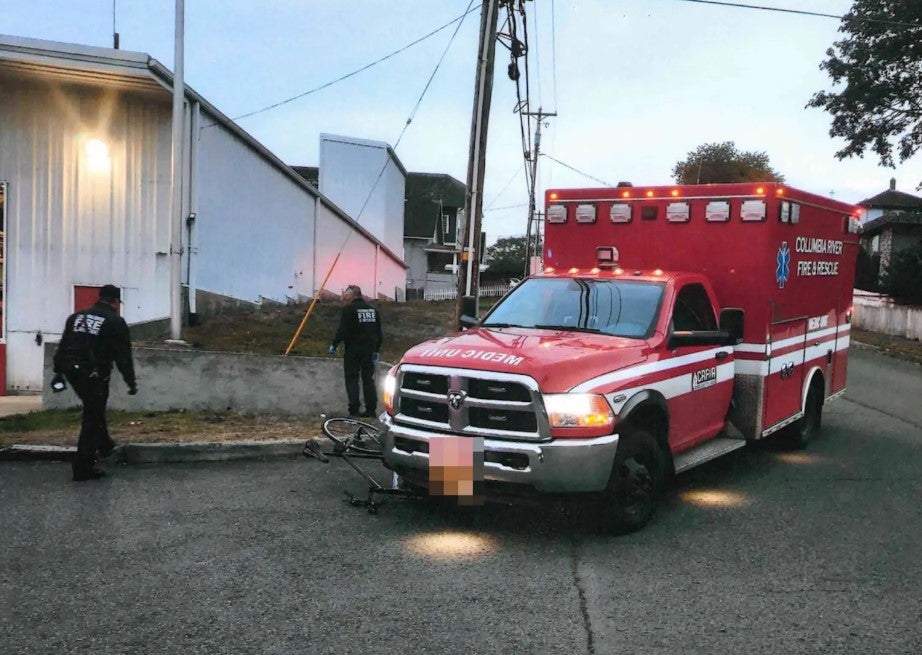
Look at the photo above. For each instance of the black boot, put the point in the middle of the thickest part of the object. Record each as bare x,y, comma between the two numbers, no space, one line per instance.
88,474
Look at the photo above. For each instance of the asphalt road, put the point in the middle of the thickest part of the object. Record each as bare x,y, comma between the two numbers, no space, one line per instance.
765,551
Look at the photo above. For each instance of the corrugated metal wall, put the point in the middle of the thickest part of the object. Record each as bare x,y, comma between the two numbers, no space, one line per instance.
70,224
355,173
254,229
256,234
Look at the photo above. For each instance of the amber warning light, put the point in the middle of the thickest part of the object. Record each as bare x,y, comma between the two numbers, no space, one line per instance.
606,256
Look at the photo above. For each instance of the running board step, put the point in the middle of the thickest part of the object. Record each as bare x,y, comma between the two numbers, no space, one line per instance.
706,452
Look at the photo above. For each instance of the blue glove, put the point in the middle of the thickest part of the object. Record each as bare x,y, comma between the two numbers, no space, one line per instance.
376,358
332,350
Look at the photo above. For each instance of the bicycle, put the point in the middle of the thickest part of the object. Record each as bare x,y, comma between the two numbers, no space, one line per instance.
353,438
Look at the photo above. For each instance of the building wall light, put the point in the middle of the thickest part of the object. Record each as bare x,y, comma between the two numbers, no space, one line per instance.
97,156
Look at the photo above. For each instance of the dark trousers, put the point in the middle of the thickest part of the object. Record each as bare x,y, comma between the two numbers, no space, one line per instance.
356,364
94,431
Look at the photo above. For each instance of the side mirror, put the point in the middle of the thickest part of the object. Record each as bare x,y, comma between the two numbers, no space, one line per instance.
697,338
468,318
732,322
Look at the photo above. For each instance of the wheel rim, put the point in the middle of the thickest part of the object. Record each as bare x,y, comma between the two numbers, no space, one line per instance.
635,487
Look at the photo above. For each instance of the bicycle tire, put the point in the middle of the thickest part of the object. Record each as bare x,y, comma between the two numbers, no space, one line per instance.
353,436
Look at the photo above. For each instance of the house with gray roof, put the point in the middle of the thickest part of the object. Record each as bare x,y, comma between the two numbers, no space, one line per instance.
893,223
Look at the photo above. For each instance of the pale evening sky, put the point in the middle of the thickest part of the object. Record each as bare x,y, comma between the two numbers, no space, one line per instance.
636,84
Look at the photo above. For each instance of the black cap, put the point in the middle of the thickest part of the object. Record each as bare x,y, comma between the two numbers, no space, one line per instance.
110,293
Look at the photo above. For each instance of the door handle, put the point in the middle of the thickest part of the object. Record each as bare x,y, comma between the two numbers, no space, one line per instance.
721,355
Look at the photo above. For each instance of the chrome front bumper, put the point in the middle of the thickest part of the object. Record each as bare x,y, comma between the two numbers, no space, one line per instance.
563,465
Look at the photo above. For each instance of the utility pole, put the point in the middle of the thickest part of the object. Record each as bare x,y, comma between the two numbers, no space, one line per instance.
534,179
469,270
179,95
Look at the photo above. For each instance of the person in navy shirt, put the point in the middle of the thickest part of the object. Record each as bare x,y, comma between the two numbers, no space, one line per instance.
360,330
93,340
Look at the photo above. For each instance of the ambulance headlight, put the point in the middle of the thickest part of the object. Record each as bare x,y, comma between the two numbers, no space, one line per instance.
578,410
390,385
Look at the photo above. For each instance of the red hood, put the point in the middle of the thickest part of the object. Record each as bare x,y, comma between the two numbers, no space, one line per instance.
557,360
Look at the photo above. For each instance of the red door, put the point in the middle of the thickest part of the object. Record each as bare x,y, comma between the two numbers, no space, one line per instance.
786,371
85,296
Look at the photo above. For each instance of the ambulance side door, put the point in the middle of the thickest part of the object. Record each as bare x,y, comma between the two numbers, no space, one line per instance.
703,382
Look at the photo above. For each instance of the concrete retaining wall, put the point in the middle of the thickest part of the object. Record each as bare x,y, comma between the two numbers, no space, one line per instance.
199,380
877,313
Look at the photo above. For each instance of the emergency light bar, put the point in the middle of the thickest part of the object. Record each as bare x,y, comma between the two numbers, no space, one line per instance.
606,256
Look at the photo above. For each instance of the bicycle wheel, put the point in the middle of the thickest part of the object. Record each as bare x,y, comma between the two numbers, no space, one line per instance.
353,436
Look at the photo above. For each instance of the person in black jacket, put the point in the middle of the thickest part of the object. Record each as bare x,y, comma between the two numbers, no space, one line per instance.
360,330
93,339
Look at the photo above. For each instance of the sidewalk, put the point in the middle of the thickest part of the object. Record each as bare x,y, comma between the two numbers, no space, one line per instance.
10,405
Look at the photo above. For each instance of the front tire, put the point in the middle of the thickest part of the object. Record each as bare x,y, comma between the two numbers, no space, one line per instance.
638,473
805,429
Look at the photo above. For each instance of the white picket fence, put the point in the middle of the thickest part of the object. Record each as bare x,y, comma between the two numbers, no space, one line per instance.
449,293
876,312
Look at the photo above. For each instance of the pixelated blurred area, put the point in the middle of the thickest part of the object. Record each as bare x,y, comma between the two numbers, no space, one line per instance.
455,465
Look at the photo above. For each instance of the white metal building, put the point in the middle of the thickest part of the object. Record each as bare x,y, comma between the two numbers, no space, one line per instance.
366,179
85,163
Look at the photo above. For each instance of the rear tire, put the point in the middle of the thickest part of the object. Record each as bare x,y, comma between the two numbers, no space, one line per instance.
353,436
638,473
805,429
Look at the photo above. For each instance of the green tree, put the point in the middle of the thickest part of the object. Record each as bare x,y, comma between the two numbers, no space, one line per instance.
723,162
903,279
865,271
507,255
878,67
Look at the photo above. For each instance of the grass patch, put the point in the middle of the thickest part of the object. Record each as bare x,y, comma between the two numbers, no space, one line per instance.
890,345
268,330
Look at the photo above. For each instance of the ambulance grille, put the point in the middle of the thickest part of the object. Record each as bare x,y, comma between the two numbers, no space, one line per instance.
491,405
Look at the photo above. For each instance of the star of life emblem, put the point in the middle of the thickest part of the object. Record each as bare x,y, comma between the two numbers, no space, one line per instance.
783,272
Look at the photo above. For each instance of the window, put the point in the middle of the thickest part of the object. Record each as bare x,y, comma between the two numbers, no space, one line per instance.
448,233
436,261
693,311
615,307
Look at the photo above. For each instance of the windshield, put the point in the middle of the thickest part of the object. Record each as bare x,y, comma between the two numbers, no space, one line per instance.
621,308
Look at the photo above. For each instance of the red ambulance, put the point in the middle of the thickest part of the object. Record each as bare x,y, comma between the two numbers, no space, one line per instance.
671,325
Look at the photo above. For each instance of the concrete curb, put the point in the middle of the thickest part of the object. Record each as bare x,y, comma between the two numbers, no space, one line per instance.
163,453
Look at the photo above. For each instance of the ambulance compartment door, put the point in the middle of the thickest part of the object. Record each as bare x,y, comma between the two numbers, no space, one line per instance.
785,371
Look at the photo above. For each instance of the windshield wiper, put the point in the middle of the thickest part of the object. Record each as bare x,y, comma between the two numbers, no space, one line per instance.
501,325
566,328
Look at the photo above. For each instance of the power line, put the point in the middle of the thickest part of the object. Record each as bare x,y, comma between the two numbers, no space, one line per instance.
503,190
737,5
432,77
357,71
576,170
